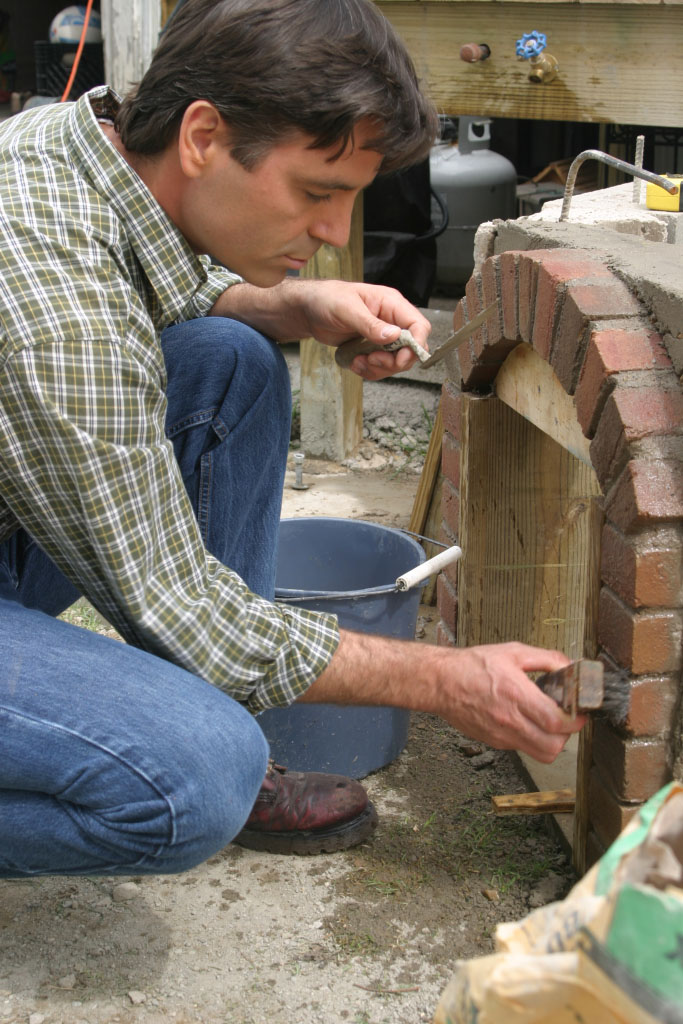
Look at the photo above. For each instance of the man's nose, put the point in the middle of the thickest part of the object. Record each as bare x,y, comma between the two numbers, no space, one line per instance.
333,225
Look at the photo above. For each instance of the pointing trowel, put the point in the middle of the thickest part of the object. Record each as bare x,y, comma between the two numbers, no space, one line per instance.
347,352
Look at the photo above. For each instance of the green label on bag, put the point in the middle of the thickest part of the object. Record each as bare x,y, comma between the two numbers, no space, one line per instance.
627,842
646,936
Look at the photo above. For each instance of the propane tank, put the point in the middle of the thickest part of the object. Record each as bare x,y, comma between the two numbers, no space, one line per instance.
476,185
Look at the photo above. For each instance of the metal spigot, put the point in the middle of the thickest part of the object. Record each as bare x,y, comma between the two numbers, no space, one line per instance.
543,67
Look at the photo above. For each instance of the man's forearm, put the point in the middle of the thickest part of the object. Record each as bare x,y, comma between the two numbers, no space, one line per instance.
272,311
376,670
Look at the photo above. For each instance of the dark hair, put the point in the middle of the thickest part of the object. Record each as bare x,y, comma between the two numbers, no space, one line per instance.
275,67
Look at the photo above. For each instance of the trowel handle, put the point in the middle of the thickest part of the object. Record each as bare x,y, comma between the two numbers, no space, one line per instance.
345,353
432,565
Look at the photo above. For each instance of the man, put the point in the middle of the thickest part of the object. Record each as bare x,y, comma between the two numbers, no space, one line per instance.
144,422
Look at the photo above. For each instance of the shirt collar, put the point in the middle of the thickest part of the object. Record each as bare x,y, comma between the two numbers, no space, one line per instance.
173,270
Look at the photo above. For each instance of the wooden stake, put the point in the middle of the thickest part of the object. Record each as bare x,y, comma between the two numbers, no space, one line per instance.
549,801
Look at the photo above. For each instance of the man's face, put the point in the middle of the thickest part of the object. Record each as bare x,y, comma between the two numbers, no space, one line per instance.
263,222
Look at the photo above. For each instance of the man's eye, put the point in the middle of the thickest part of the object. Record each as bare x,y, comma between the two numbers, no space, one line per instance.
316,198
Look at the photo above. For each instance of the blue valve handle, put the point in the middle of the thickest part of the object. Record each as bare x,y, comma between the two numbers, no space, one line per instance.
532,44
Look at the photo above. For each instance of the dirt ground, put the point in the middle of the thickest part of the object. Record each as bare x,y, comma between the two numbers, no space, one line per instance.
370,936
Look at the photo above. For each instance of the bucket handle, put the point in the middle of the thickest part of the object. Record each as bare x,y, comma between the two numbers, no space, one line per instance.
405,582
421,572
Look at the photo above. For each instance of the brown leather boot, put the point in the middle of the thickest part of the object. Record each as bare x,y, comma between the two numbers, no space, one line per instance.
307,812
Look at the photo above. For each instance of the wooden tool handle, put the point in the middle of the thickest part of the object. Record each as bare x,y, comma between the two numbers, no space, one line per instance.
577,687
346,353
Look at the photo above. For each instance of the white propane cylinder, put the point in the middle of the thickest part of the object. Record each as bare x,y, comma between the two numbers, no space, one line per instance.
476,185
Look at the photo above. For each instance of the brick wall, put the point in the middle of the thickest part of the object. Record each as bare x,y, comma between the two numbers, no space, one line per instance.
593,332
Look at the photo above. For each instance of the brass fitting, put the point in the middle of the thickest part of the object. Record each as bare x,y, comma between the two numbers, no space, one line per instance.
543,69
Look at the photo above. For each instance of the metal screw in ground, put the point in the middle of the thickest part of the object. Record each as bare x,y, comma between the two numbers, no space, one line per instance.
299,484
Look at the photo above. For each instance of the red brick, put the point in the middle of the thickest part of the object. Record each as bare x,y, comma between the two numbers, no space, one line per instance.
611,352
545,273
645,642
607,815
509,270
444,637
594,849
646,492
490,287
475,374
450,505
583,304
450,460
550,291
633,769
528,279
447,603
475,304
459,316
557,268
645,570
570,264
451,409
630,414
653,704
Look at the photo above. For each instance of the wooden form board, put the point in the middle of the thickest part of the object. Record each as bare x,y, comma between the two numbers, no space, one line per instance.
618,62
530,527
527,523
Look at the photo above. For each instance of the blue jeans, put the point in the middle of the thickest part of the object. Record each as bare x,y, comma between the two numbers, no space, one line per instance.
114,761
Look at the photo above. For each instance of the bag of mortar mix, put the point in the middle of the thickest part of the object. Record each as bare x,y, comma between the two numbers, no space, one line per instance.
610,953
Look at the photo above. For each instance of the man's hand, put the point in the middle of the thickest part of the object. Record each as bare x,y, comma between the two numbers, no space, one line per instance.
331,312
483,691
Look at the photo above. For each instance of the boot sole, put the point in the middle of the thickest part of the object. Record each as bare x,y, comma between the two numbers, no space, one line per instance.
305,843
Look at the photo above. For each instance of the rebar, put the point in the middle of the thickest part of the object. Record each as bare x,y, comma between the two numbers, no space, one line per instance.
612,161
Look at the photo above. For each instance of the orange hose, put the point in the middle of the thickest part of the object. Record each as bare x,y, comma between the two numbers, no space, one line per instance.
79,51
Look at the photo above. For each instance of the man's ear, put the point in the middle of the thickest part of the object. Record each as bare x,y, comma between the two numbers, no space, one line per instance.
203,133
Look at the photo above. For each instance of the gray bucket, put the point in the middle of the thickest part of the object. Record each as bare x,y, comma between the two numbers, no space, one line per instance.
347,567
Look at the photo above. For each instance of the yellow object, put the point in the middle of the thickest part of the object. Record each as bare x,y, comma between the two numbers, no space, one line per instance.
657,199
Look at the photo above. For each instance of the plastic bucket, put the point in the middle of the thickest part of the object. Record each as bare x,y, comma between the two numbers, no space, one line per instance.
338,566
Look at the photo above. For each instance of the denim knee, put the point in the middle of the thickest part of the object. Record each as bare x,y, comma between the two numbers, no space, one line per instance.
214,797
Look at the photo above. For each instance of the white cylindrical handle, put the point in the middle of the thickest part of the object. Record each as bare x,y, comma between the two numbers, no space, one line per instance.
432,565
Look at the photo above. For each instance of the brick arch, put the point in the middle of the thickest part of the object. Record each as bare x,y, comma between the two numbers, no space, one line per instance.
593,332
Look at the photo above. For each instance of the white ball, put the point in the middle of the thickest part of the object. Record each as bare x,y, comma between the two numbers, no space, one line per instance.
67,26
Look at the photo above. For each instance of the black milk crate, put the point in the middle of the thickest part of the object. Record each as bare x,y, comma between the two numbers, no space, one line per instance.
54,62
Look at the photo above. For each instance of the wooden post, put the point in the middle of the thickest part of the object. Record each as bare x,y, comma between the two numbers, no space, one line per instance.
332,399
130,29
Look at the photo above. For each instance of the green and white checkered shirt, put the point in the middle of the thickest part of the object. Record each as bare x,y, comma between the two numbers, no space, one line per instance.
91,271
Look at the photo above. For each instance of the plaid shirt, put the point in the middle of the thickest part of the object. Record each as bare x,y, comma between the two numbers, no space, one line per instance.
91,271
